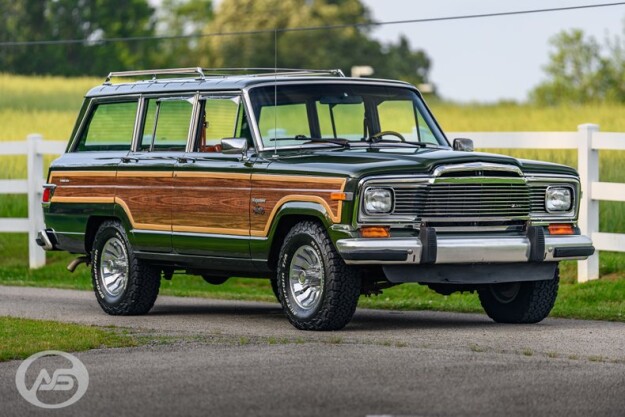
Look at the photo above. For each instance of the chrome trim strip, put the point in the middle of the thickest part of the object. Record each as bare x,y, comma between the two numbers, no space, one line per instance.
138,124
477,166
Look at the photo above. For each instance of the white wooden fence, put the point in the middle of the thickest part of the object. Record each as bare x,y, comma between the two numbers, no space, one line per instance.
587,140
34,148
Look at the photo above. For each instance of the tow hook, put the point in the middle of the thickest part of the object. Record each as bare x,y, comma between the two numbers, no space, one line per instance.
80,260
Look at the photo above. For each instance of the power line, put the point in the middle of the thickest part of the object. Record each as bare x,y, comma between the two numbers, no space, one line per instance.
307,28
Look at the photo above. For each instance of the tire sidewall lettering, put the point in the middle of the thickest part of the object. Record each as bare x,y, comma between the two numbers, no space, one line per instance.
101,238
292,245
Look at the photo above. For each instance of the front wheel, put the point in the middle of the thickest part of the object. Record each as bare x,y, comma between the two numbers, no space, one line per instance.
124,285
520,302
317,290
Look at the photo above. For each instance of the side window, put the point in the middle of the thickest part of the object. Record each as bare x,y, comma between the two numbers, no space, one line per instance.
167,123
110,127
221,117
283,121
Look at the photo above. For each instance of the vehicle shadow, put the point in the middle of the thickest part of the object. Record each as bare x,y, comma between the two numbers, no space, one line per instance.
364,320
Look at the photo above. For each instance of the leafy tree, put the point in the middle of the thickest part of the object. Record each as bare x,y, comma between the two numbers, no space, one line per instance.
341,47
180,17
580,70
94,20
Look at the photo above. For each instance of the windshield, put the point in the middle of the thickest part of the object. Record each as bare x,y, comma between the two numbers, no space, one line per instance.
293,115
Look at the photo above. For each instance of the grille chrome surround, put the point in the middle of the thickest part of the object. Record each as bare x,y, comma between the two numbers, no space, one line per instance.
466,201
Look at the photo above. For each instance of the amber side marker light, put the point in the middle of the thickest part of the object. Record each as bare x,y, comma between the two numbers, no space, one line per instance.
338,196
561,229
375,231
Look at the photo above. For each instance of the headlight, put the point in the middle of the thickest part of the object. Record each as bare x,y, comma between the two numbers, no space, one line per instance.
558,199
378,200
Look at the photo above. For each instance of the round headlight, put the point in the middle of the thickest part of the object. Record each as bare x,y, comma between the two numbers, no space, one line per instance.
378,200
558,199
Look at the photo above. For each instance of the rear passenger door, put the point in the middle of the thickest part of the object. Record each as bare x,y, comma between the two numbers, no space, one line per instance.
211,190
145,176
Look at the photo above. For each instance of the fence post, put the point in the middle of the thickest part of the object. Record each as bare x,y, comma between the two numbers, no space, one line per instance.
588,167
36,255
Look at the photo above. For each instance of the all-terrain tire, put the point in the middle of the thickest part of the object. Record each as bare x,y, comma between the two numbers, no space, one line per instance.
274,288
339,283
532,303
139,290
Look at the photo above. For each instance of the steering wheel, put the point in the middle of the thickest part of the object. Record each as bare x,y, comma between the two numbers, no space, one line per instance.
378,136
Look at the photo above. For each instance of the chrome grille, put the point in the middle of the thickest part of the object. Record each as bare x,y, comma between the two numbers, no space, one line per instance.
463,200
537,198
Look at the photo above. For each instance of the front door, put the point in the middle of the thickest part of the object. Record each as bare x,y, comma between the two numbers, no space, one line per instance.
210,216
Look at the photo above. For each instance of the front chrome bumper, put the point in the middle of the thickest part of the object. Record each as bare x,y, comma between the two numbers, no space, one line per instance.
464,250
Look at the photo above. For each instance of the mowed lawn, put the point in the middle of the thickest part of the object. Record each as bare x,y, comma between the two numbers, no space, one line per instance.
48,105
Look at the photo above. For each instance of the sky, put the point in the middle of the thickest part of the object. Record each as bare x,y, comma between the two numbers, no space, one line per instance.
490,59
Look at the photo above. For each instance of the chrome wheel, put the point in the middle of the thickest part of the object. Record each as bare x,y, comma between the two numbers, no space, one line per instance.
113,269
505,293
306,278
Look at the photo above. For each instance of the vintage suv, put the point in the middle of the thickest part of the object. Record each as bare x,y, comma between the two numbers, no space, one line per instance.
331,187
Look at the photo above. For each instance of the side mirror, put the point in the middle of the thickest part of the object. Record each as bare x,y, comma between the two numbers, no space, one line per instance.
233,146
463,144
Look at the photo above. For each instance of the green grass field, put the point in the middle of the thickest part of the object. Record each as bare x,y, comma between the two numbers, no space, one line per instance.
21,338
48,105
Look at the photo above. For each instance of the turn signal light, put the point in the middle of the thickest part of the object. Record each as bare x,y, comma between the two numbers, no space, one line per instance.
561,229
375,232
338,196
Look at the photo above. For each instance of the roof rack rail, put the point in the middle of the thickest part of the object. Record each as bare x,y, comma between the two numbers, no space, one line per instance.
203,73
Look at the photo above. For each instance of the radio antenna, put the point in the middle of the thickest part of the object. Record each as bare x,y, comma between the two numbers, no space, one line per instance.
275,92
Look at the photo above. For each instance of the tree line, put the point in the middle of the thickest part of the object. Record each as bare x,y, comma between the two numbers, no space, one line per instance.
95,21
582,70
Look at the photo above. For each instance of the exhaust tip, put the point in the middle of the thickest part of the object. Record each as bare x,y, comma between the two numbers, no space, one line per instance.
74,264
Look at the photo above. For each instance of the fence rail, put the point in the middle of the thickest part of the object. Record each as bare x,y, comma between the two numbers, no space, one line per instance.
34,148
587,140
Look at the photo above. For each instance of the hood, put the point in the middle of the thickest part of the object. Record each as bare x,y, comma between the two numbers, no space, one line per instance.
360,162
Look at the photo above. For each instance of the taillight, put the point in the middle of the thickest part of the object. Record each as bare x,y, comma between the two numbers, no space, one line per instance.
48,190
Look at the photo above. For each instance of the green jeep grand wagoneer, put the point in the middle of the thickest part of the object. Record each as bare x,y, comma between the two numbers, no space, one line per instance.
331,187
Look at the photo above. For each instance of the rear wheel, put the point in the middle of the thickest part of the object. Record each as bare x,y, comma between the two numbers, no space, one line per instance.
520,302
124,285
317,290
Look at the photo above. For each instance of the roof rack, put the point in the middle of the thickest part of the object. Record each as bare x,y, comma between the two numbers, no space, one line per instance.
203,73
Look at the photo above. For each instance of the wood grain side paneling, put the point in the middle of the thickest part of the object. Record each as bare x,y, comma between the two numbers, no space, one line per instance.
81,185
146,197
211,203
198,202
270,192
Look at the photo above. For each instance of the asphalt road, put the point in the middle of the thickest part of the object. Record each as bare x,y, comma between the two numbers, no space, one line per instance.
215,358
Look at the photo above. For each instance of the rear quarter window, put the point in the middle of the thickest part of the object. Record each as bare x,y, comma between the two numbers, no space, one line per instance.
110,127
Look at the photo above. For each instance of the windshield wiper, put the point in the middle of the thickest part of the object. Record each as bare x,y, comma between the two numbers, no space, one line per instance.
334,141
416,144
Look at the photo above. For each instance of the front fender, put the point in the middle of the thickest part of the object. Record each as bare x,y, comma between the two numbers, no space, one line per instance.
287,215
